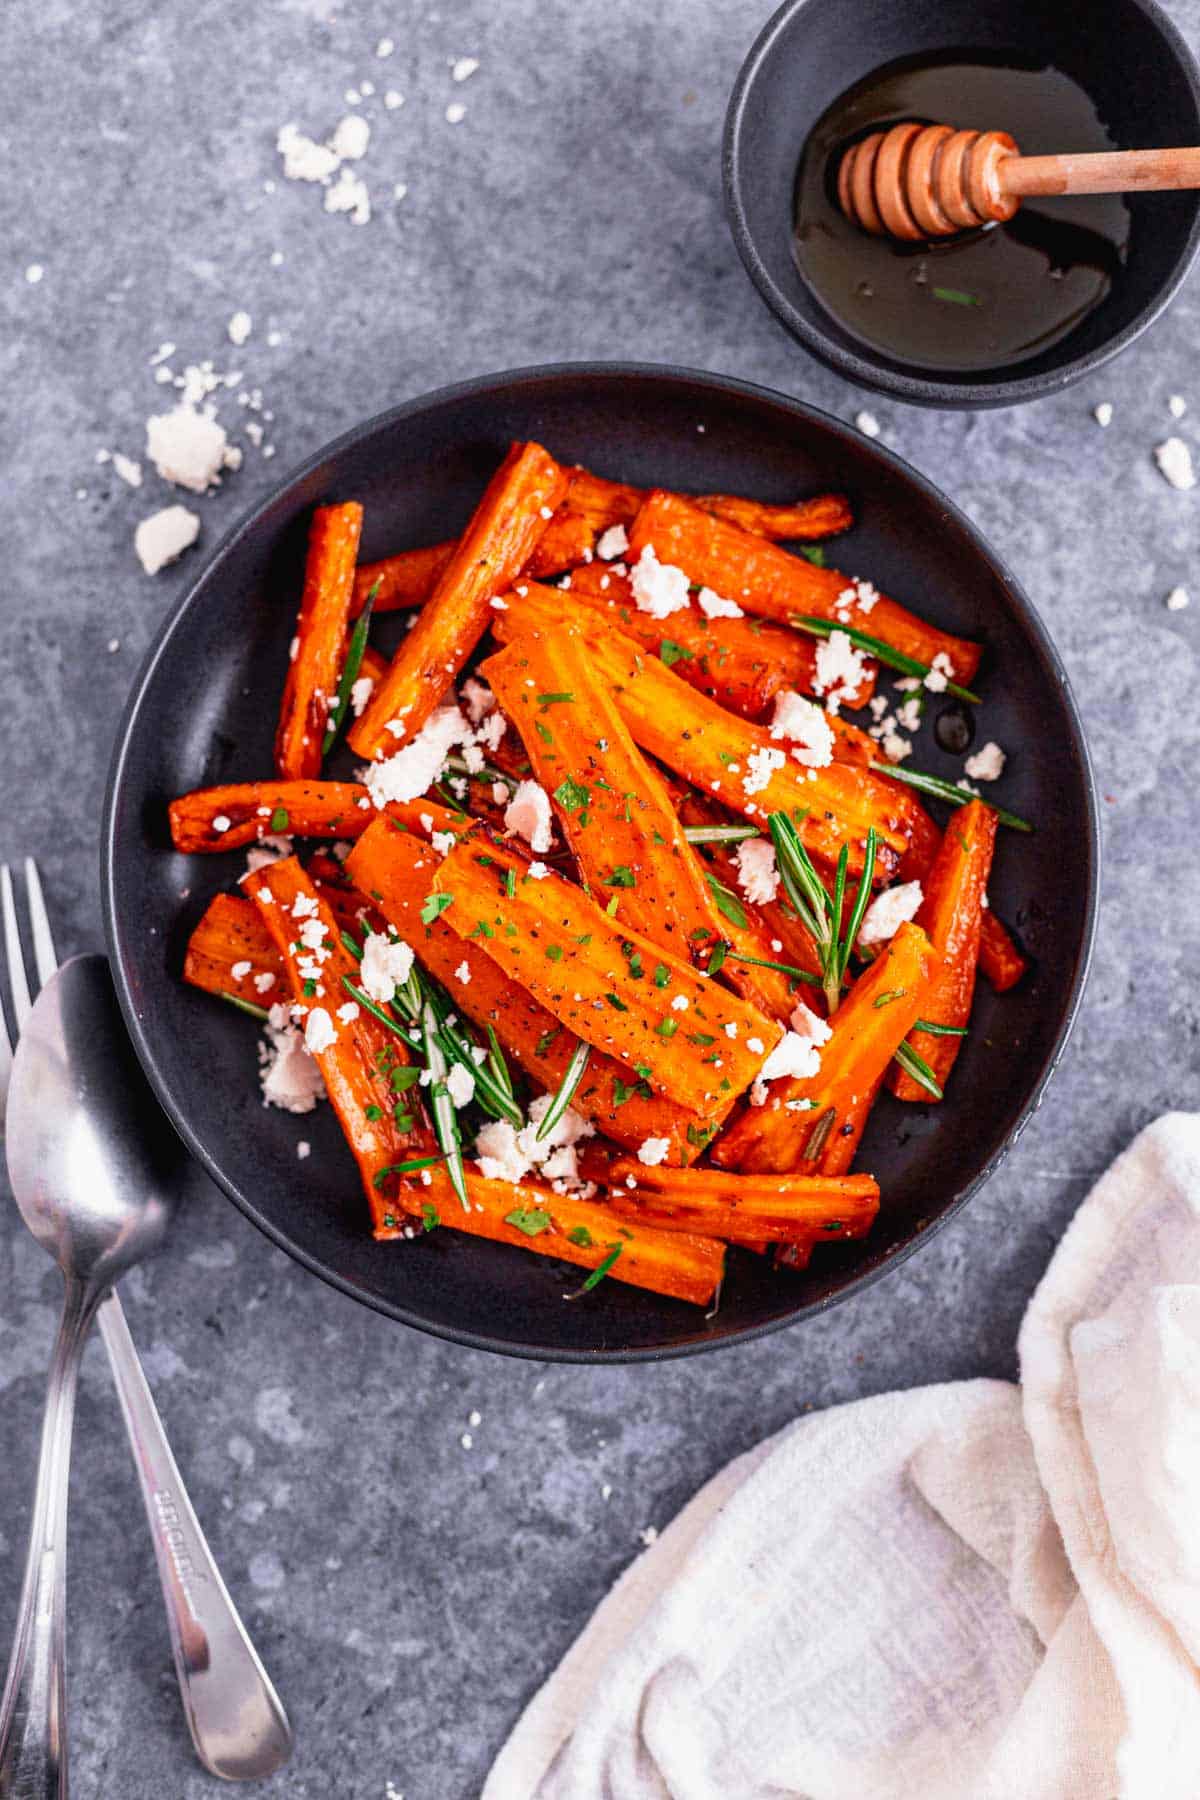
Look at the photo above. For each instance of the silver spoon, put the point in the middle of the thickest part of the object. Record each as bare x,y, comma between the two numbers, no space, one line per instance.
94,1170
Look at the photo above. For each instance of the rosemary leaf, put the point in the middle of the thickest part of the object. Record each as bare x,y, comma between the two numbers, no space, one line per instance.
873,646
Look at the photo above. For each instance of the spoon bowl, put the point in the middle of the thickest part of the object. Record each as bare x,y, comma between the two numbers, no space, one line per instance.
93,1163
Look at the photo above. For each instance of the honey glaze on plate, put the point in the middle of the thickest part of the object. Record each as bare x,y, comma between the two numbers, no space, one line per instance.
986,299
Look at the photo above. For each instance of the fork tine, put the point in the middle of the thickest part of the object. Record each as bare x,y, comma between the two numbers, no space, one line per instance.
14,955
43,944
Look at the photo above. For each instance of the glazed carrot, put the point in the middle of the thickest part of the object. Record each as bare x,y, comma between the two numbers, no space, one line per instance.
951,913
999,958
721,754
612,805
868,1027
764,579
404,581
397,872
602,981
604,503
320,641
740,663
229,817
566,541
518,502
770,1208
230,936
358,1056
682,1266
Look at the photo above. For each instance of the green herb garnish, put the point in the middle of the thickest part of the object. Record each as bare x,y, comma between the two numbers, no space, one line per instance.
946,790
353,663
884,653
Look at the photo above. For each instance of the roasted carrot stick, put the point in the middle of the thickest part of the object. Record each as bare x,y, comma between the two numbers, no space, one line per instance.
229,817
496,545
396,870
682,1266
738,762
740,663
604,503
357,1055
404,580
231,951
999,958
770,1208
951,913
602,981
320,641
566,541
764,579
612,805
872,1021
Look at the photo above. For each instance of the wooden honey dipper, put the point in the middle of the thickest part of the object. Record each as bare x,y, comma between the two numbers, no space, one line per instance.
924,181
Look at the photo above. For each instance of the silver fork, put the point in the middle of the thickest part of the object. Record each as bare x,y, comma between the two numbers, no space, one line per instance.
235,1717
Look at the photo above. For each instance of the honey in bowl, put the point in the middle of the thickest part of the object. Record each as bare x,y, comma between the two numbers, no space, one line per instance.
988,298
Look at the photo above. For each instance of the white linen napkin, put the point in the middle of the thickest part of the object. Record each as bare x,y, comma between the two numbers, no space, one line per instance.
965,1592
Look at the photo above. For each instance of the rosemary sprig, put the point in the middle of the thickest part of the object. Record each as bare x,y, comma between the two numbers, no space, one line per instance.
819,911
349,675
884,653
445,1117
763,962
246,1006
935,1030
497,1061
572,1076
946,790
457,766
919,1069
598,1273
719,834
410,1038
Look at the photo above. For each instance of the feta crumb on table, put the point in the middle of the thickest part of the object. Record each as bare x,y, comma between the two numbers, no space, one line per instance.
164,536
1174,461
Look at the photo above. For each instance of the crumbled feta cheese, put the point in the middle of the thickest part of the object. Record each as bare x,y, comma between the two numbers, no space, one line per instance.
164,536
986,764
680,1003
506,1154
264,983
940,671
349,194
305,906
349,141
1177,406
304,160
129,471
240,970
500,793
303,1149
34,273
760,766
187,447
478,699
460,1084
840,668
797,1054
221,823
385,46
867,423
239,328
888,911
1177,599
492,729
456,112
414,769
386,965
758,876
349,1012
658,588
464,68
613,542
360,694
1174,461
895,747
443,841
1103,414
537,871
289,1077
392,100
528,815
463,972
319,1031
807,725
654,1150
714,607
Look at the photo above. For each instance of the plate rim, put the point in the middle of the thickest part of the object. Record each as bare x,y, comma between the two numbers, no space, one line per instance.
474,387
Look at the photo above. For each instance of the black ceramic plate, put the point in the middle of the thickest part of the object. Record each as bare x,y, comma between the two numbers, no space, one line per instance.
202,711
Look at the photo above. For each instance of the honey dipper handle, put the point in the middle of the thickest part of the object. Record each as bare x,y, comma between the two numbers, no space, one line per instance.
1102,172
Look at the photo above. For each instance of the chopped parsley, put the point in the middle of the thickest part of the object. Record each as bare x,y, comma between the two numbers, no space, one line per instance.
579,1234
621,877
435,905
571,794
531,1220
671,653
279,819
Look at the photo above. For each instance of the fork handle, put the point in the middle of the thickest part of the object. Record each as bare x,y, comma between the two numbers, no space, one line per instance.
33,1712
238,1725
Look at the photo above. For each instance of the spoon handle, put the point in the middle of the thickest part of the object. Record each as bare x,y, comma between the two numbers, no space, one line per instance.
237,1722
33,1712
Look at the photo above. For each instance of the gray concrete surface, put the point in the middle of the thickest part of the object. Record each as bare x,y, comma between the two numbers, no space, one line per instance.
407,1593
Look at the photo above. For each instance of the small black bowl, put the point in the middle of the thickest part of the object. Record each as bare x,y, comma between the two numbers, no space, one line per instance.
202,711
1128,56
